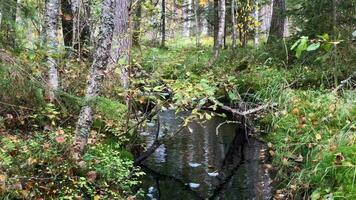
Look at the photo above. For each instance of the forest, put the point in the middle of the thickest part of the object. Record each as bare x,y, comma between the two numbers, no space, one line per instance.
178,99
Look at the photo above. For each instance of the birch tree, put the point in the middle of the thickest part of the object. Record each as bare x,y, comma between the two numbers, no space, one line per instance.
186,17
51,41
278,20
221,31
97,73
163,24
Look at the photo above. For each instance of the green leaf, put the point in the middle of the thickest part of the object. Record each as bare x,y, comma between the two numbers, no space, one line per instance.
315,195
354,34
295,44
313,46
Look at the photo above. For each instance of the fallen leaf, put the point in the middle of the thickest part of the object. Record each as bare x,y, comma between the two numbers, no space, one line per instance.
60,139
91,176
318,136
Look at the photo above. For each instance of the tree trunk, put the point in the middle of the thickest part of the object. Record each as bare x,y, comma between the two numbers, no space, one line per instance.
216,21
233,20
163,24
257,28
221,31
121,41
278,19
137,24
196,17
186,18
97,73
51,41
67,22
8,19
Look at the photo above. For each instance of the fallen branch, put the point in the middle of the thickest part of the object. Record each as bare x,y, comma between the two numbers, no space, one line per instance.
246,112
344,82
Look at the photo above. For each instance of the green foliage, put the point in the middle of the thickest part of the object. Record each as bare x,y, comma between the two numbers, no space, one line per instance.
39,166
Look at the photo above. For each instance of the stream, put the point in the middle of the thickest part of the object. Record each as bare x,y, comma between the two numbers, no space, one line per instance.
198,163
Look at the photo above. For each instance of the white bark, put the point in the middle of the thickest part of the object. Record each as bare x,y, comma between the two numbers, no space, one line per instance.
187,7
221,30
257,28
97,74
51,41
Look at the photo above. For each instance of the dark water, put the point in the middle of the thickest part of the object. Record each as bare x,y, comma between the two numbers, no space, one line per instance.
198,163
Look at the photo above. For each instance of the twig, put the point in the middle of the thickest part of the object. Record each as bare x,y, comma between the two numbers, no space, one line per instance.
344,82
226,122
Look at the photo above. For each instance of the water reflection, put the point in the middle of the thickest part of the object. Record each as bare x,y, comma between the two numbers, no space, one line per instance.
198,163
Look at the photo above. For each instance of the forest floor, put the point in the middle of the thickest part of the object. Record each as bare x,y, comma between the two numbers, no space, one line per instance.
309,126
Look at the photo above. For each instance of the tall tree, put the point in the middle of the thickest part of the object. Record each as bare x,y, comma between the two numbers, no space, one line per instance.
51,41
97,72
277,22
197,27
233,20
121,41
186,17
221,31
163,24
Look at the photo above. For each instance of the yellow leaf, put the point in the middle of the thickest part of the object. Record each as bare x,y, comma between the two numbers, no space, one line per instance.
318,136
97,197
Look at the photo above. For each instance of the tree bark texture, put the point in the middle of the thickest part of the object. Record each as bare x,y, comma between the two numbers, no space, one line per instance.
51,41
278,19
186,18
97,74
221,29
121,41
163,24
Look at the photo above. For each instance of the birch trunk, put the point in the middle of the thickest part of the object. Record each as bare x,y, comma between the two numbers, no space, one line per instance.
186,18
51,42
97,73
257,28
221,31
278,20
196,17
163,24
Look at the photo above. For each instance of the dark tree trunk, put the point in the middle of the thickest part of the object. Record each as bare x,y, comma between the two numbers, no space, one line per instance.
8,19
233,19
278,19
163,24
67,22
137,25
